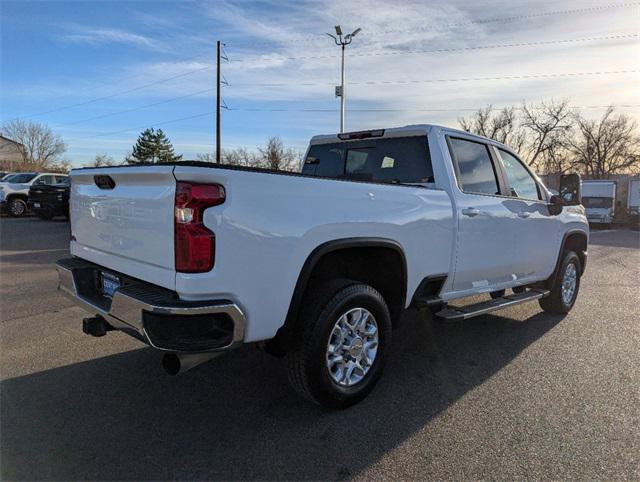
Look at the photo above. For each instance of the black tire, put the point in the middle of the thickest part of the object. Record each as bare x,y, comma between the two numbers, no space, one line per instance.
555,303
518,289
497,294
306,361
17,207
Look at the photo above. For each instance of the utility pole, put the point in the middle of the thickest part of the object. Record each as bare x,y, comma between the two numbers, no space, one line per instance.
340,90
218,105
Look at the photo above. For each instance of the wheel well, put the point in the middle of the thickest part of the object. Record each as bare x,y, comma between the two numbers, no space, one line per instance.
573,241
576,242
379,267
17,195
378,263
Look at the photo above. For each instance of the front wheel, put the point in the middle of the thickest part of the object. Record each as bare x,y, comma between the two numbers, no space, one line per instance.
565,286
17,207
342,344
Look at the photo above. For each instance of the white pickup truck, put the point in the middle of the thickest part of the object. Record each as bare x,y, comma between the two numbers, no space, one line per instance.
318,266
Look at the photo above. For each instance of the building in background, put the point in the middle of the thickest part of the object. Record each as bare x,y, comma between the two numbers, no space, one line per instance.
10,154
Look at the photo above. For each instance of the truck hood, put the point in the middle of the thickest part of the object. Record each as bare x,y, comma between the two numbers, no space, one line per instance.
10,187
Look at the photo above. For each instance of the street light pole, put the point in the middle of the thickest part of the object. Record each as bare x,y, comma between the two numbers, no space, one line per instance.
342,94
340,91
218,142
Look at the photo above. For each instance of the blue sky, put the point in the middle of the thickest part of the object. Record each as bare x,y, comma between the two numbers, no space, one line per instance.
98,72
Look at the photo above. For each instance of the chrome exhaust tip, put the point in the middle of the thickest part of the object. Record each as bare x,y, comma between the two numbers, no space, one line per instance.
175,364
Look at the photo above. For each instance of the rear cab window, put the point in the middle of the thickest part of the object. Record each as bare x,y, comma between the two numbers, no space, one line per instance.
476,173
396,160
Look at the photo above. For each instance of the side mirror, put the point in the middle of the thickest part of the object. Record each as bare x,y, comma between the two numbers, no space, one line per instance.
570,192
555,205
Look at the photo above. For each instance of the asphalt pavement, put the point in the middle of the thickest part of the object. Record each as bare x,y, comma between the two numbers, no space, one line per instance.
515,395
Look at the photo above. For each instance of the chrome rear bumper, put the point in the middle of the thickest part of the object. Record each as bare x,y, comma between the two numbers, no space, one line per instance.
132,303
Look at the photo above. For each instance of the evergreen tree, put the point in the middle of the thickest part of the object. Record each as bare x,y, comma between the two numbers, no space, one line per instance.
152,146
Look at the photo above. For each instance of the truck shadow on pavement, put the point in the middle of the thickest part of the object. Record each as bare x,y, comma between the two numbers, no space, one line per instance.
121,417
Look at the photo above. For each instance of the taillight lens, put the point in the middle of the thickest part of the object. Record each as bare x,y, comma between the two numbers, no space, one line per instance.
194,243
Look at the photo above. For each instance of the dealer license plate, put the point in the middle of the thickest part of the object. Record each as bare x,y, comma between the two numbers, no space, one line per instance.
110,283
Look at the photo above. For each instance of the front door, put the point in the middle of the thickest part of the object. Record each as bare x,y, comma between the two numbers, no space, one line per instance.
538,230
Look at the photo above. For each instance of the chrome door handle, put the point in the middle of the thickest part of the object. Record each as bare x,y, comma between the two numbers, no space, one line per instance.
524,214
471,212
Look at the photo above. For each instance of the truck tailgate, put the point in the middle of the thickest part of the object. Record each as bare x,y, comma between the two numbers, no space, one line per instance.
128,227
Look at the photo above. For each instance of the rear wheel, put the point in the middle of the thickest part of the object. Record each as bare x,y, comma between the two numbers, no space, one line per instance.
342,344
17,207
565,286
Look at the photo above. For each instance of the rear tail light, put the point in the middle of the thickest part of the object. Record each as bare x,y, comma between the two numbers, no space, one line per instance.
194,243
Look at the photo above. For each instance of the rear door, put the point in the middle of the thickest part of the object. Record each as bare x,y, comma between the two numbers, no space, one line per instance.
122,218
487,233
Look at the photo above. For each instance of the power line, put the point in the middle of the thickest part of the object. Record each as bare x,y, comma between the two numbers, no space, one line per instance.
453,49
140,107
462,109
204,114
115,94
172,99
167,79
122,79
459,79
170,121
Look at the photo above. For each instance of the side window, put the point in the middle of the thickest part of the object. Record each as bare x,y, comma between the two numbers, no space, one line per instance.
475,167
61,179
48,180
521,182
324,160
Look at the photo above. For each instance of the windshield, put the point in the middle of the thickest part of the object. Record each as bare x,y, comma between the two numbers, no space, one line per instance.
19,178
395,160
597,202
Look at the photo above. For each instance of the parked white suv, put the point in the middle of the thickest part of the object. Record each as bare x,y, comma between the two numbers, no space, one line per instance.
14,189
197,258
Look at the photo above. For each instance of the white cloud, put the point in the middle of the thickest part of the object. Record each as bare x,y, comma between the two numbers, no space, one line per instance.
304,65
100,36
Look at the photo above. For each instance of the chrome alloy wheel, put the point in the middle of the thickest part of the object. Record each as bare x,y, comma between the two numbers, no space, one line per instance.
352,347
569,283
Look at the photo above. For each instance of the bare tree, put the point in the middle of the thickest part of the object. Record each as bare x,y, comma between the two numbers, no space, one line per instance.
206,157
102,160
610,145
41,147
501,126
231,157
275,156
547,126
239,157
